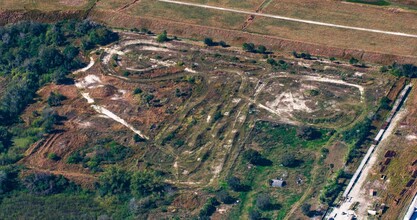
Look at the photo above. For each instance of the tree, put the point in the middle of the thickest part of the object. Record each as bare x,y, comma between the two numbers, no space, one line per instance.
308,133
163,37
305,208
53,156
263,202
225,197
55,99
289,160
8,179
385,103
223,44
208,41
137,91
144,183
234,183
353,61
249,47
254,215
271,62
295,54
70,52
255,158
209,208
114,181
261,49
46,184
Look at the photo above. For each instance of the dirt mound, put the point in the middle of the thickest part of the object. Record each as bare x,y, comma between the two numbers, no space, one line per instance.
103,91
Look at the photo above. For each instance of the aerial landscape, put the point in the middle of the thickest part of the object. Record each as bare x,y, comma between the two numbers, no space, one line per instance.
208,109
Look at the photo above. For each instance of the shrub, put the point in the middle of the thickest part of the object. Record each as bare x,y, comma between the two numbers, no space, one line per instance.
163,37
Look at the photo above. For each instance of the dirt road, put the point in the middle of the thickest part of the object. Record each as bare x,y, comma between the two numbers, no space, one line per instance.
291,19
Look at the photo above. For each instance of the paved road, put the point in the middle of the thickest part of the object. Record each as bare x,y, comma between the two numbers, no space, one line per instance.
291,19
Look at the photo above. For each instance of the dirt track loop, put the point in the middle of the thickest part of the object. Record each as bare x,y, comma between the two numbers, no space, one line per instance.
291,19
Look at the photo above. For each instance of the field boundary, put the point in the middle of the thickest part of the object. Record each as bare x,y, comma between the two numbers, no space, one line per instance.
238,37
291,19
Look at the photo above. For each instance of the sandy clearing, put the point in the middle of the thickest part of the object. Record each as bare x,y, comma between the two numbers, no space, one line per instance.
153,48
90,81
336,81
292,19
91,64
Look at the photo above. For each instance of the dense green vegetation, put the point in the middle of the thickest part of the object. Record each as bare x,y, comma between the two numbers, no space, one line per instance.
289,150
103,152
34,54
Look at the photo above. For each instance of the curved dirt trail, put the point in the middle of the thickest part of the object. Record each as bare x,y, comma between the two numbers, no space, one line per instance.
101,109
292,19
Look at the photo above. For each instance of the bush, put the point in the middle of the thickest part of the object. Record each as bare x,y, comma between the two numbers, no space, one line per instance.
163,37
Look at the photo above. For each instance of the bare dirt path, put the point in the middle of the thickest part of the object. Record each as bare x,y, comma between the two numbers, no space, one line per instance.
292,19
